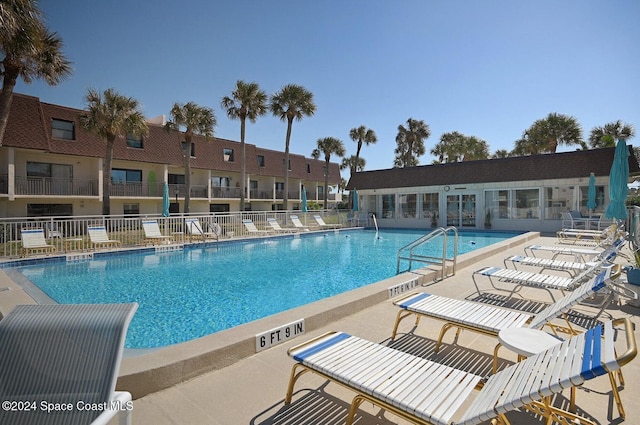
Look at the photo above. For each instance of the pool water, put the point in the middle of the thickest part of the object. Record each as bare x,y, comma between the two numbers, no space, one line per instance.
188,294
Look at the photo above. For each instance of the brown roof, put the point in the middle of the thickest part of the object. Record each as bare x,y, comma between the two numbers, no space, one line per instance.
29,126
521,168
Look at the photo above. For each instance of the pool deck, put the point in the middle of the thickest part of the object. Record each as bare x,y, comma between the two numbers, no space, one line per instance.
221,380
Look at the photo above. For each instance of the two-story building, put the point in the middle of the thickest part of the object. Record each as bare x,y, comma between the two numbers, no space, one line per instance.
49,165
517,193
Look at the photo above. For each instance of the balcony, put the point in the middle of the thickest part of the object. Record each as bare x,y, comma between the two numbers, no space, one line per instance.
225,192
49,186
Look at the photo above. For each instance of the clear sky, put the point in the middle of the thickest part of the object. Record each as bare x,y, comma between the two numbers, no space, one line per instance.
485,68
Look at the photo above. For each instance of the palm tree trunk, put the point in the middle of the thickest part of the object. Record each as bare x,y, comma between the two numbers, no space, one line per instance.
285,196
6,95
326,183
243,174
106,177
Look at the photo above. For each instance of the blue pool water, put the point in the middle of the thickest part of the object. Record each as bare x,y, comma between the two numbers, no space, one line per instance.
188,294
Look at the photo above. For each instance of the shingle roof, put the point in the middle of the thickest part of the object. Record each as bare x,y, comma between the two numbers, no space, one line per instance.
29,126
513,169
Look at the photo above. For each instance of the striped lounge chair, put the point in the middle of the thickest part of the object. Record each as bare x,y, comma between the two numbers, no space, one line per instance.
425,392
578,254
33,240
99,237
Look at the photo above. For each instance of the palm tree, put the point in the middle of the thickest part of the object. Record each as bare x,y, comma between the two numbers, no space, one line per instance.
111,115
30,50
605,137
361,135
291,102
328,146
410,141
196,120
475,149
500,153
554,130
449,148
353,164
246,101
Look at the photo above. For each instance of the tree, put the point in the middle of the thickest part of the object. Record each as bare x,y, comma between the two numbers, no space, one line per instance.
353,164
111,115
246,101
545,135
450,148
291,102
606,136
30,50
361,135
475,149
500,153
410,143
328,146
196,120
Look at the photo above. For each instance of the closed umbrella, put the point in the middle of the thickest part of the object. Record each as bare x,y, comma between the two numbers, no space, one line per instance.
165,201
304,200
356,205
618,179
591,195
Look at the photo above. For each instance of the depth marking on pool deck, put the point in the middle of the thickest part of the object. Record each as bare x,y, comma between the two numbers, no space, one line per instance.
279,335
403,287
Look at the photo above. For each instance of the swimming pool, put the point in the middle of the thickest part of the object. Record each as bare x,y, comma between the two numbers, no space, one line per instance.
188,294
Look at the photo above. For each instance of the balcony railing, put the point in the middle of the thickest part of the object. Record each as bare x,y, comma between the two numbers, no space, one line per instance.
55,186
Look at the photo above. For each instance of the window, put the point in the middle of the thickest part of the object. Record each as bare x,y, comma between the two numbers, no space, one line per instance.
260,160
134,141
253,184
175,179
131,209
408,204
123,176
430,206
61,129
193,148
513,204
227,154
219,208
527,203
39,210
279,186
308,168
220,181
497,202
388,206
42,169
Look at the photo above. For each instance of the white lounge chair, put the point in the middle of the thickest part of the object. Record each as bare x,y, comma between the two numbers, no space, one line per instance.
253,230
518,279
279,229
324,225
98,236
426,392
570,267
195,230
586,237
297,223
152,233
64,355
33,240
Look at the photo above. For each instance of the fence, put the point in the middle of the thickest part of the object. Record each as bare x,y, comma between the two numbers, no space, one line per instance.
69,233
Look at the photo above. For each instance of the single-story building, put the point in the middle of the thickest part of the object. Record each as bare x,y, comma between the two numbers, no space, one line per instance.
525,193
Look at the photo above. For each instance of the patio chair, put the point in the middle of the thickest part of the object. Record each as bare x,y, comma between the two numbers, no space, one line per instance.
573,220
99,238
426,392
587,237
195,230
297,223
324,225
33,240
252,229
152,233
519,279
279,229
570,267
64,355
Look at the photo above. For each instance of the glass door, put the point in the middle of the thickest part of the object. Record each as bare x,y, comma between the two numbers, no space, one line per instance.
461,210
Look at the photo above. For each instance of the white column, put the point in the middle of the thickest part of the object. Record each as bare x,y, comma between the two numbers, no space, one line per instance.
11,171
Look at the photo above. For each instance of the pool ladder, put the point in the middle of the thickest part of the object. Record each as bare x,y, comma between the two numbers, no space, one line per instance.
409,251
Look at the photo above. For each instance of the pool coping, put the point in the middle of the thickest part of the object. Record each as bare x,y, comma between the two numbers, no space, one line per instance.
158,369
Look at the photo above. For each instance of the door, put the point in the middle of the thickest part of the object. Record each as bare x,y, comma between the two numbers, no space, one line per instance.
461,210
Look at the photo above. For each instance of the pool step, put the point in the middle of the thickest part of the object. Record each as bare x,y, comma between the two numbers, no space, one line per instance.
169,248
80,256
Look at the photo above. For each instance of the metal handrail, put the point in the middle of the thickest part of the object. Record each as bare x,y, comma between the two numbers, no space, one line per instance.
428,259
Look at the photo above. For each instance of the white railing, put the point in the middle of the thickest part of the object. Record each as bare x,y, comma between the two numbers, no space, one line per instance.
69,234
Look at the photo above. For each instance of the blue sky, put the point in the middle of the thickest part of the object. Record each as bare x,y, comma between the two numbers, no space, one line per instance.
484,68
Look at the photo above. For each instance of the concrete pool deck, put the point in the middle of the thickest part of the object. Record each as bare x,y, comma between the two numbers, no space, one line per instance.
221,380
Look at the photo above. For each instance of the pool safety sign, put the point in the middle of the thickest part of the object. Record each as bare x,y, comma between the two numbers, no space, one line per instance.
279,335
401,288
